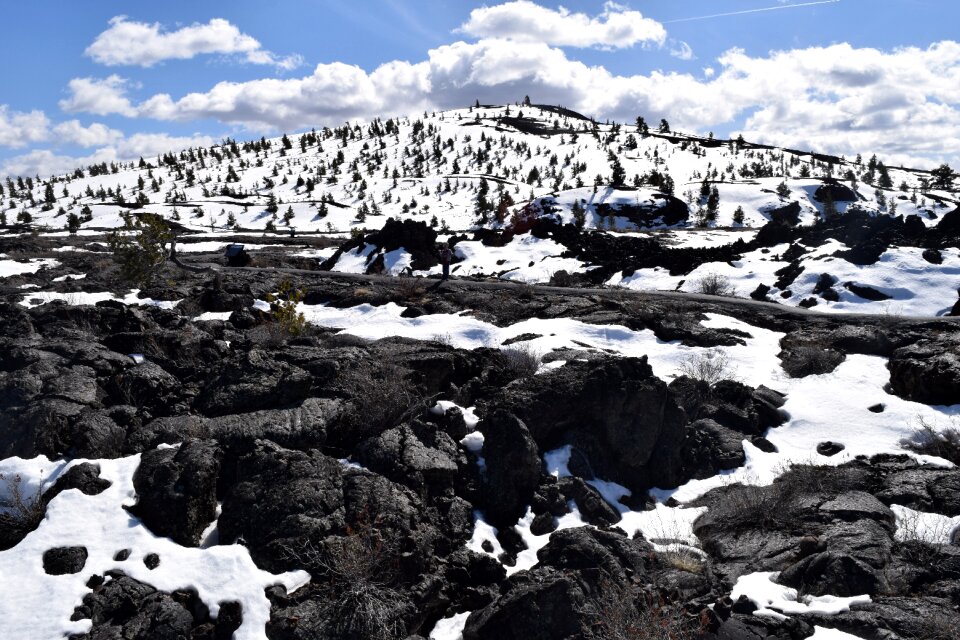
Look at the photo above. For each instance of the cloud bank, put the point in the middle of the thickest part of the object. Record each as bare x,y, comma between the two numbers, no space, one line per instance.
144,44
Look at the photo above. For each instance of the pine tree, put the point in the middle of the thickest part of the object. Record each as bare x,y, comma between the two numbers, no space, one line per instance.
713,203
503,207
618,174
482,206
579,214
73,222
943,177
664,126
783,190
829,206
738,215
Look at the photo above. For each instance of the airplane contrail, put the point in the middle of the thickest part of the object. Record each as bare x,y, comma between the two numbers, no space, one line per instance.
740,13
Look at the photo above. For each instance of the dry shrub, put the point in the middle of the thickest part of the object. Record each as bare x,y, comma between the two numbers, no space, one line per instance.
409,289
20,510
933,440
383,398
629,613
356,573
709,366
714,284
521,360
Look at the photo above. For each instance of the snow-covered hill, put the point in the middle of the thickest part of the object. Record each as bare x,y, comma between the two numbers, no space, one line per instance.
433,166
497,167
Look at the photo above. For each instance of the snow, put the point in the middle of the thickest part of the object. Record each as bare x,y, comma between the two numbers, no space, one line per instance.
450,628
931,528
70,276
214,315
355,261
469,413
15,268
776,600
104,527
822,633
527,558
916,287
319,254
76,298
524,259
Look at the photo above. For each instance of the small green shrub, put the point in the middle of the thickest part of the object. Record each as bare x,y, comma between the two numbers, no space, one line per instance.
284,309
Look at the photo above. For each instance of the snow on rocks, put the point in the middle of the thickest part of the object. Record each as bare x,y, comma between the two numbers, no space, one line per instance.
10,268
930,528
76,298
773,599
101,525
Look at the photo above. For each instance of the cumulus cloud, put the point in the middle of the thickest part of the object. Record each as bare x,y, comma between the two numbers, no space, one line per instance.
523,21
96,134
904,103
18,129
44,162
145,44
100,96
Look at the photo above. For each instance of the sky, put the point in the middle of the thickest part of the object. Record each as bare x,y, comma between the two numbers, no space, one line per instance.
109,80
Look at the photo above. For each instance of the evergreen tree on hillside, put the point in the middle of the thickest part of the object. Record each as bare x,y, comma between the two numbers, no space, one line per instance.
73,222
664,126
579,214
618,176
738,215
885,182
942,177
713,204
482,205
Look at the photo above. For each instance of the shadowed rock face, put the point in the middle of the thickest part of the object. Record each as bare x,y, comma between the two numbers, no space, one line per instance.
927,371
176,490
616,413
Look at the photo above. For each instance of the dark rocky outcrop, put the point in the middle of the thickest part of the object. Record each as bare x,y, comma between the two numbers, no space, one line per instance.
615,413
123,607
63,560
176,490
928,370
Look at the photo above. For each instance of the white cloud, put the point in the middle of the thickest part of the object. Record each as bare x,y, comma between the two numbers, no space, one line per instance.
523,21
144,44
682,50
903,104
20,129
95,135
100,96
44,162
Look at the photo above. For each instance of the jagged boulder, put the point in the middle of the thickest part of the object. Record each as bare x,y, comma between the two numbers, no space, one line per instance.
513,467
176,490
928,370
616,413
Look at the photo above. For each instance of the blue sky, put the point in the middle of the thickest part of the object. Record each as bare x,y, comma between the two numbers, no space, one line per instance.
114,80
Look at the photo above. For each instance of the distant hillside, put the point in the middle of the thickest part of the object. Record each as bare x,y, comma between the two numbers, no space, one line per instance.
454,168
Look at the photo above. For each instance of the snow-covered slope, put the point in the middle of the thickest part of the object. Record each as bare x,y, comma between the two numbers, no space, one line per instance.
433,167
